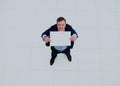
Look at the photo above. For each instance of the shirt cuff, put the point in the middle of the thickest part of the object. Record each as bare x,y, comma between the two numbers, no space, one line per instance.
43,37
75,35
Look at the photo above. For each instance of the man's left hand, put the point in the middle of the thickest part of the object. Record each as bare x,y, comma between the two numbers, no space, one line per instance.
73,38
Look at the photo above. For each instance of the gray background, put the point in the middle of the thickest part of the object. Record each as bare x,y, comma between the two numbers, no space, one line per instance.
24,59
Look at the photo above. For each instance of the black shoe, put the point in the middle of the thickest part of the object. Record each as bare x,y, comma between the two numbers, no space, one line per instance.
69,57
52,61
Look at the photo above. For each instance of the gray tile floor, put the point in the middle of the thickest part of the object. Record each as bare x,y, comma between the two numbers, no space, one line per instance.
24,59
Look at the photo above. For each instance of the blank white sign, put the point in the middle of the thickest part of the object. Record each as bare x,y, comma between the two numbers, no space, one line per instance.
60,38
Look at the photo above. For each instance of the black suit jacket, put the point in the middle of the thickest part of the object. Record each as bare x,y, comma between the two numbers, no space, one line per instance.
54,28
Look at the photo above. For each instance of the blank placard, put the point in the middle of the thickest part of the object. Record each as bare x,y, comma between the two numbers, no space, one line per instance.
60,38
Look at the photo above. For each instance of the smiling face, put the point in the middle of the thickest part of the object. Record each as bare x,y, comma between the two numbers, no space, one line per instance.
61,25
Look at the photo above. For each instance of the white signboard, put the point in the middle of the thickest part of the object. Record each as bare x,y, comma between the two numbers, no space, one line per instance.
60,38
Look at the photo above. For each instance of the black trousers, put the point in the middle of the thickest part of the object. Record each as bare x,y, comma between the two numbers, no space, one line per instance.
54,51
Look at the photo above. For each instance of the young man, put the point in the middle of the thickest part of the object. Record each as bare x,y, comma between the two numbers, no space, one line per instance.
61,25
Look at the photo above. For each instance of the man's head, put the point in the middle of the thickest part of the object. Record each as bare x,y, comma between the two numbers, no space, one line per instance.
61,24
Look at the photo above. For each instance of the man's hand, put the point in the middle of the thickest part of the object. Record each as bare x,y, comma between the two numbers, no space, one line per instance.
73,38
47,39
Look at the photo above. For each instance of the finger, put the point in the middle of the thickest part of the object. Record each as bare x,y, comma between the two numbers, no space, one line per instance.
49,39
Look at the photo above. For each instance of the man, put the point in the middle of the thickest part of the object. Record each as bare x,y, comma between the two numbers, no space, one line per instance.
61,25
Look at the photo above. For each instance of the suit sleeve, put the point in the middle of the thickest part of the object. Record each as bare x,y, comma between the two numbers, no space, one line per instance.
46,33
73,32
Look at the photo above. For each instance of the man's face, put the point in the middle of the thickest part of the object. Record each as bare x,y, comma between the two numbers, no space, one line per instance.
61,25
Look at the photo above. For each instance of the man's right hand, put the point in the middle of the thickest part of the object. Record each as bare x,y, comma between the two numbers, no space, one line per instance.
47,39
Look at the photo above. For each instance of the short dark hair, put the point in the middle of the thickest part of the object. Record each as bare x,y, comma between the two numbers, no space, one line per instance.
59,19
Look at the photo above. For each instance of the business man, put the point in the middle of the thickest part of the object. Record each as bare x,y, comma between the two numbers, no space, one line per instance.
60,25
